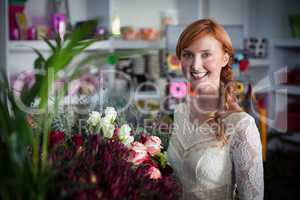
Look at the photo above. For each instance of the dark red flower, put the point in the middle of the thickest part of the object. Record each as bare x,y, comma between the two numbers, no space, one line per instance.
56,137
143,138
94,141
102,171
116,132
167,171
78,140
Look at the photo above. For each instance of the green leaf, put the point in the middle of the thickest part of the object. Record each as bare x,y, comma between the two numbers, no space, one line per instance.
52,47
40,55
161,158
81,32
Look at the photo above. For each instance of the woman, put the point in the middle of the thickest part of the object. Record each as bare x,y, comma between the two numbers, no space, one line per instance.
215,147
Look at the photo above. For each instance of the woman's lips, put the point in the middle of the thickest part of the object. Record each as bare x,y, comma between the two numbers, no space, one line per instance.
198,75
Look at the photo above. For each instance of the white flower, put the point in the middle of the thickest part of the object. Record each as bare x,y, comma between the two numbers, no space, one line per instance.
105,121
111,114
128,140
124,135
94,118
124,132
108,130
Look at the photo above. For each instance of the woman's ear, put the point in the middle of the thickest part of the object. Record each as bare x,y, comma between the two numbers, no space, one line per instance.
225,59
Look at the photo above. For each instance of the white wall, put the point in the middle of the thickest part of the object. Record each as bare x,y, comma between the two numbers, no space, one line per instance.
142,13
269,18
227,12
189,11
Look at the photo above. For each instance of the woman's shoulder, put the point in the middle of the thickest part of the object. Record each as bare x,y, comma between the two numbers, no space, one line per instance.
240,120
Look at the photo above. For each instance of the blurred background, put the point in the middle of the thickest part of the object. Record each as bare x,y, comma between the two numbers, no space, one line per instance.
138,39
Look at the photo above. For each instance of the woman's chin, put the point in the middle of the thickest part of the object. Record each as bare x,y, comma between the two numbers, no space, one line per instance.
204,87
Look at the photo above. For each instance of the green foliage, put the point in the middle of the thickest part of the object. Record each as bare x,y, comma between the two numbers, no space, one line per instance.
24,171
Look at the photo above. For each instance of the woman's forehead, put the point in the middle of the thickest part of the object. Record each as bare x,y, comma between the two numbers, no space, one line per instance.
205,43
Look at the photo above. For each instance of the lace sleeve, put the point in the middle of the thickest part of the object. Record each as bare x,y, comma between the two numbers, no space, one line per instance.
247,161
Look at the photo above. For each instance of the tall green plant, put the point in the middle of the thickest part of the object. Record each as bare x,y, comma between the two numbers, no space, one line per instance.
24,173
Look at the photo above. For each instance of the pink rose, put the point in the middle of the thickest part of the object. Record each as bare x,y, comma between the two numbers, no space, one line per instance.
153,144
154,173
138,153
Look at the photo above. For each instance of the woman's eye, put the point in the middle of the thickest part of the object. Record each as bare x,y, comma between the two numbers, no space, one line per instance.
187,55
205,55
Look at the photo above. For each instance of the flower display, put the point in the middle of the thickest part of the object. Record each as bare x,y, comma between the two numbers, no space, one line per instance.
111,163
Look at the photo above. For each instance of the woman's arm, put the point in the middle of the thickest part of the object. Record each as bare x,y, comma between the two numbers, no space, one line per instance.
247,161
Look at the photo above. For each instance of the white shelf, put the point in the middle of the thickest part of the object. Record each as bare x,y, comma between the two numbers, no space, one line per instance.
282,89
289,89
287,42
27,45
137,44
259,62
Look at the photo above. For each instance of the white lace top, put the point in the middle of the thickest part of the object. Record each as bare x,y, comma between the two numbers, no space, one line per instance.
209,170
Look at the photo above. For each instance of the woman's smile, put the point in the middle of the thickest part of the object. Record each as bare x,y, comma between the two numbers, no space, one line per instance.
197,76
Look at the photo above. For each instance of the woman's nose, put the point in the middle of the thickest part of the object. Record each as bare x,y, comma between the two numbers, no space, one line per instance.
197,64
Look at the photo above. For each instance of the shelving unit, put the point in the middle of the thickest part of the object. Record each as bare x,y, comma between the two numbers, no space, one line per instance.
20,54
287,42
281,89
269,19
288,89
112,44
259,62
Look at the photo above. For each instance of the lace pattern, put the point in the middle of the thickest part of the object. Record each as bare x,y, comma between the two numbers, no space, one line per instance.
209,171
247,159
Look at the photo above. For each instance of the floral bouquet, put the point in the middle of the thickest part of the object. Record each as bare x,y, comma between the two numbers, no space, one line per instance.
112,161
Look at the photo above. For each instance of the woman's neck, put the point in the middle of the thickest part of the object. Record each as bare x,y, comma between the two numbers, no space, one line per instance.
205,101
205,104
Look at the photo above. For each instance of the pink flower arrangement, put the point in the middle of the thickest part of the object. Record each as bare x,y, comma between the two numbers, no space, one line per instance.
101,166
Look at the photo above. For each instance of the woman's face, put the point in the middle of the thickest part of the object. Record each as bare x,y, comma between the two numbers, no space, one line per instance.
202,63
